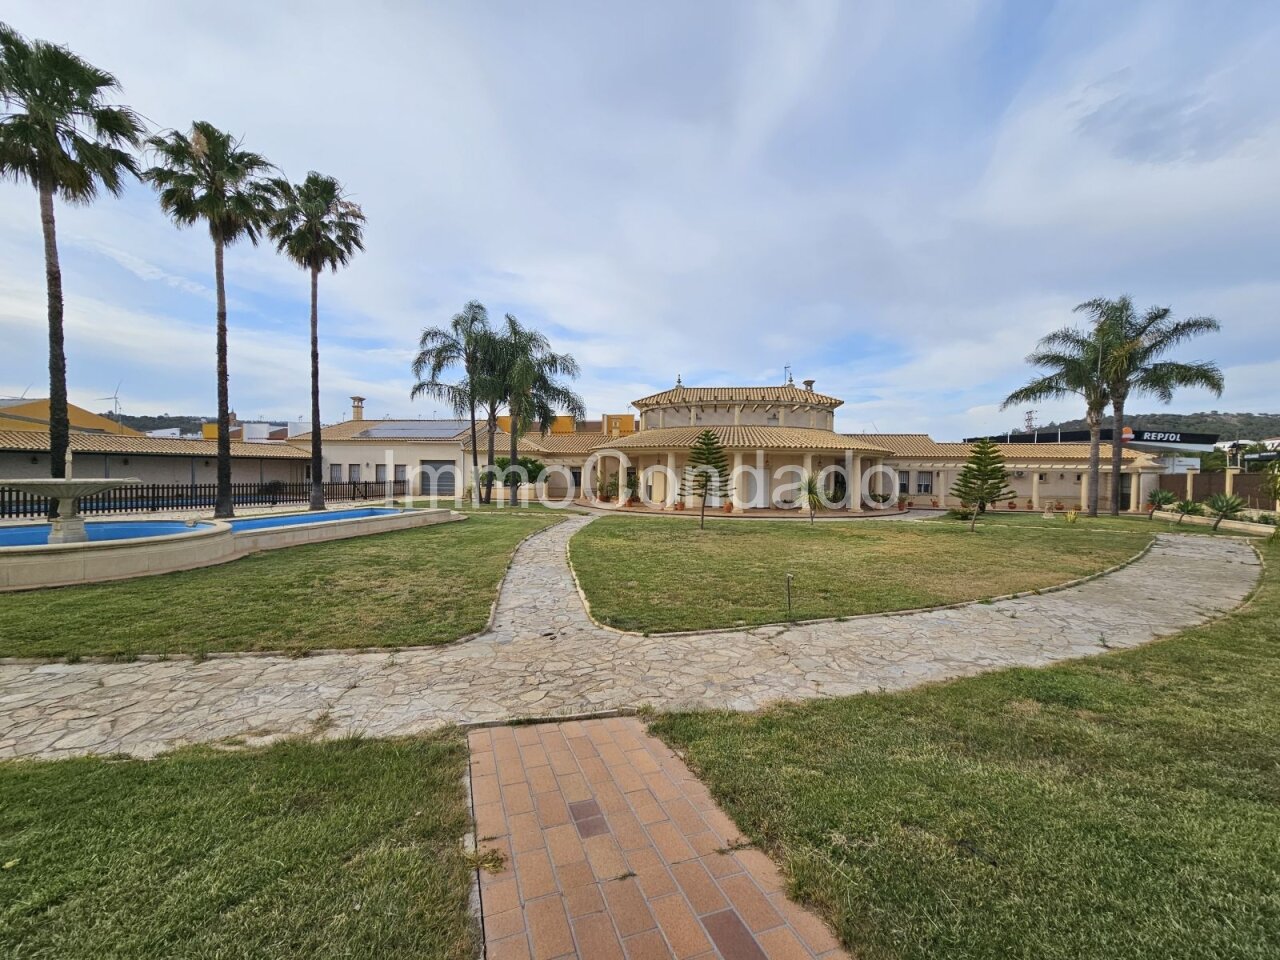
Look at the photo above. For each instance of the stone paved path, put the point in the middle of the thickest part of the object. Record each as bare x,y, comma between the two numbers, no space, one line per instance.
543,658
612,850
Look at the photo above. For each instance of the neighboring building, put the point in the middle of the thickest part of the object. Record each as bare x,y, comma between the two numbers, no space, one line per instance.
24,414
25,453
434,456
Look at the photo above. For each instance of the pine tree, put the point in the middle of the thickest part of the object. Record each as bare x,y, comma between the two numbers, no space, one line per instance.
982,480
706,472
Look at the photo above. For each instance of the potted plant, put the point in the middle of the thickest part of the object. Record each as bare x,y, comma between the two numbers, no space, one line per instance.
610,489
727,506
934,503
902,503
1013,505
1031,505
1058,505
678,505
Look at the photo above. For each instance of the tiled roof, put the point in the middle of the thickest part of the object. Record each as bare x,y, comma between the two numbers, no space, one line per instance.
788,394
384,430
747,437
916,446
36,441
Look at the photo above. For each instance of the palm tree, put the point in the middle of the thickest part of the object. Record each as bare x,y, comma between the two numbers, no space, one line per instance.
811,494
316,227
531,372
1131,362
1073,363
58,135
206,175
466,342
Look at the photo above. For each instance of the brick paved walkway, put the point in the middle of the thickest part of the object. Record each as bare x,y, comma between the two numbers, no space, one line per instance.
612,849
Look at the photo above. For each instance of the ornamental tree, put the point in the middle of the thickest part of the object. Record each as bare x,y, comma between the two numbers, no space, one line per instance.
706,472
983,480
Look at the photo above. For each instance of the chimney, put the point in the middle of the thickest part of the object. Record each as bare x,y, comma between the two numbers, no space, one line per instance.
808,385
357,408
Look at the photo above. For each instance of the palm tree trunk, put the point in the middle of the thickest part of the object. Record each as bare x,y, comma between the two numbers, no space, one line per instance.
222,504
317,458
1117,450
511,476
488,476
1095,460
59,423
475,449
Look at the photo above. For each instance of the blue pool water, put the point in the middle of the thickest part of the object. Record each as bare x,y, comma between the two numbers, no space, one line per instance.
296,519
34,535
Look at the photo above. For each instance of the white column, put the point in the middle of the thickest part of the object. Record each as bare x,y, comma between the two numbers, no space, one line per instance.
855,483
1035,489
737,415
735,478
662,418
762,482
808,463
671,488
1084,492
1135,492
693,417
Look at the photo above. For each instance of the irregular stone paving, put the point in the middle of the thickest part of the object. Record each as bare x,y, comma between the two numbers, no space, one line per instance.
543,657
610,849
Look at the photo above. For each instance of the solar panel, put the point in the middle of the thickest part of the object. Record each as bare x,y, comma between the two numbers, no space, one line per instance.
414,430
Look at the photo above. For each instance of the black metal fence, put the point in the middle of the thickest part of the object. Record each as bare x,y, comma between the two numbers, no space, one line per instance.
154,497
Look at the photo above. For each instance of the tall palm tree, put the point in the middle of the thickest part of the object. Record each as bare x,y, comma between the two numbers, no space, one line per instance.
59,135
532,372
1131,361
1072,361
206,175
316,226
466,342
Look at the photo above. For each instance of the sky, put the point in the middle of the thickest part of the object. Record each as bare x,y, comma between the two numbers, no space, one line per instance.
895,200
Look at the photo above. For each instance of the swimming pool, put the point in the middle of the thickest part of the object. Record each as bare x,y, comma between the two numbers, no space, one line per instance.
37,534
320,516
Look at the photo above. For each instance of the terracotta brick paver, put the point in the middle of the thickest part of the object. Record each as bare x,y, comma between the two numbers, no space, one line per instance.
613,849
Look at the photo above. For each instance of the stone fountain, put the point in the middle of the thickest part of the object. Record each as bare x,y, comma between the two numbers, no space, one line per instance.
68,525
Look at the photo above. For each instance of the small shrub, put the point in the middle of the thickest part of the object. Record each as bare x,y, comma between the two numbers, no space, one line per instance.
1224,506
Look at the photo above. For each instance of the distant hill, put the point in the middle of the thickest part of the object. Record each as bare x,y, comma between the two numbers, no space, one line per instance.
1228,426
159,422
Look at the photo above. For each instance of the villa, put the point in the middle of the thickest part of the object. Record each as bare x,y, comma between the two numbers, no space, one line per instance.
771,434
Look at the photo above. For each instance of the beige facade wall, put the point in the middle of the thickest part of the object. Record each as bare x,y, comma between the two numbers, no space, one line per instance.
369,454
741,414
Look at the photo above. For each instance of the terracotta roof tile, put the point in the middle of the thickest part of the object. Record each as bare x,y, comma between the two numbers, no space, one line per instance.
917,446
37,441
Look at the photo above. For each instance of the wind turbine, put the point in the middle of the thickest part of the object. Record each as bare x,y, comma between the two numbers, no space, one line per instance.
115,404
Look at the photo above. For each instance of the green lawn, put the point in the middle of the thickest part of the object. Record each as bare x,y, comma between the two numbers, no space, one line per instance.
346,849
1122,806
656,574
1103,523
413,587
